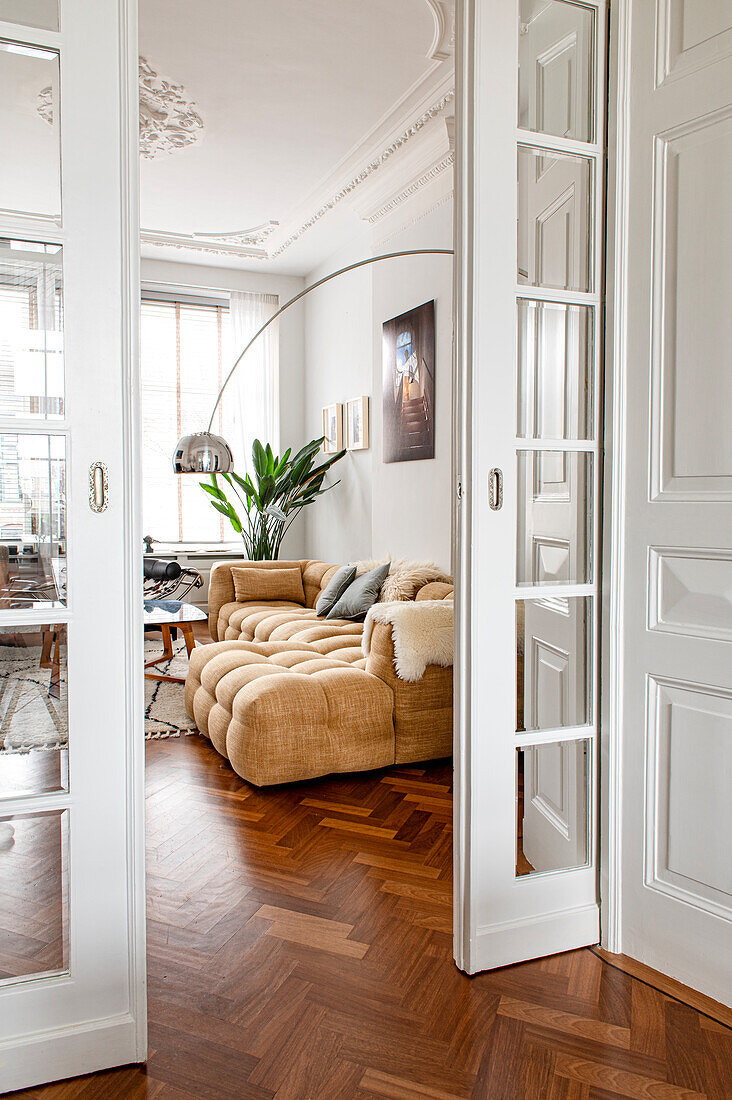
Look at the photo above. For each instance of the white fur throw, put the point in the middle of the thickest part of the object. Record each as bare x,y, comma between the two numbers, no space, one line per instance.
405,577
422,632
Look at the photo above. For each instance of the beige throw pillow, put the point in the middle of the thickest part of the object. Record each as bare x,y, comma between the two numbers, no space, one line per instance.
251,583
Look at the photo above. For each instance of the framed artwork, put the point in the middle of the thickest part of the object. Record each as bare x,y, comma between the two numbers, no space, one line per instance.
332,428
408,385
357,424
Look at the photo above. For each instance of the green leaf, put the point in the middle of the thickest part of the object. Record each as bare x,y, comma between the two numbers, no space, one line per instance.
259,459
244,483
266,490
301,470
214,491
311,448
283,484
281,465
234,520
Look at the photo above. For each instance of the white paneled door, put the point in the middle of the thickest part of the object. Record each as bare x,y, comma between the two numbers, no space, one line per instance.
530,188
72,963
673,522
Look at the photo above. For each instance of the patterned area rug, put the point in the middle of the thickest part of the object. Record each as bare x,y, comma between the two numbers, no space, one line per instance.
165,708
33,712
33,709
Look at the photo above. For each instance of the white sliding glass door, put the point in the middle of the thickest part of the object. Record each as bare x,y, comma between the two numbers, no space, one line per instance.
71,885
531,185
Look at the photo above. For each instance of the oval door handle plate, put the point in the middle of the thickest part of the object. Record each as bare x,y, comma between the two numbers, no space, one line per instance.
98,487
495,488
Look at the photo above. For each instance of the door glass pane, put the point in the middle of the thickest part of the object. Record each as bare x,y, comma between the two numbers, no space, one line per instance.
552,807
29,130
554,517
556,66
32,520
553,663
555,348
554,212
33,709
31,13
33,894
31,330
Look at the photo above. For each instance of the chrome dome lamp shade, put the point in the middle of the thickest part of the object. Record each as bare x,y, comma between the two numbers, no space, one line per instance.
202,453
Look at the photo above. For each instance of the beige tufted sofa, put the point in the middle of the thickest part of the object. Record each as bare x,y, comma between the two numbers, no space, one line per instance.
285,695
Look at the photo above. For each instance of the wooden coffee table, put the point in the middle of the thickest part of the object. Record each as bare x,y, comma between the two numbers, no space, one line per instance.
165,616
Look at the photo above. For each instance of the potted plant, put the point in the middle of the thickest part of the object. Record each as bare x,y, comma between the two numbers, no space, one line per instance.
267,505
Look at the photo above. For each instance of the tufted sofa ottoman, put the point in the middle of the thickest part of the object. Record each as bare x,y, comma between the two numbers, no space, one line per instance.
281,711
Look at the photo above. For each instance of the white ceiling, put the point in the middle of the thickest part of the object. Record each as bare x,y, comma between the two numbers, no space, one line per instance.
297,98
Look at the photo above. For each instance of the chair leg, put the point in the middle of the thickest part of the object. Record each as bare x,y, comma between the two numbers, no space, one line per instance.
167,642
47,647
54,687
187,630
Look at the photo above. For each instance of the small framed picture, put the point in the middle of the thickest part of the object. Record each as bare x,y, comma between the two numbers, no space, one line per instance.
357,424
332,428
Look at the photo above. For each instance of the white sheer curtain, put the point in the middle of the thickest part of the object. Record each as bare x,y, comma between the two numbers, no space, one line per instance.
251,403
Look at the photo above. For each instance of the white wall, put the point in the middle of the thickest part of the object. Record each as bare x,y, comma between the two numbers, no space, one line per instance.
338,366
164,275
402,508
411,501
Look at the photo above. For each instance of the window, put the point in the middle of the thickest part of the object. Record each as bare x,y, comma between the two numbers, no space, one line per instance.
187,349
31,330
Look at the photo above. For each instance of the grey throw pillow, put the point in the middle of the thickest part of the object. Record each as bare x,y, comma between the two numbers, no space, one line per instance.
360,595
335,588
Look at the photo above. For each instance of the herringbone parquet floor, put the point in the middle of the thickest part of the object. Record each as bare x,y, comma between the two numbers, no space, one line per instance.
300,947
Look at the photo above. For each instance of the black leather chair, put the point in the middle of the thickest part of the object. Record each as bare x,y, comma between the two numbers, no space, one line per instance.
166,580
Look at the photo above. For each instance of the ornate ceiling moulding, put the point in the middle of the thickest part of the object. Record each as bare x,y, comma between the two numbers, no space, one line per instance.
168,118
421,178
443,43
413,188
45,104
385,243
374,165
201,243
255,236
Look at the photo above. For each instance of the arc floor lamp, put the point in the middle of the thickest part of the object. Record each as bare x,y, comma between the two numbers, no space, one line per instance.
207,453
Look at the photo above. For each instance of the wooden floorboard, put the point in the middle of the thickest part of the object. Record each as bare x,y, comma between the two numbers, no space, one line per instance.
299,947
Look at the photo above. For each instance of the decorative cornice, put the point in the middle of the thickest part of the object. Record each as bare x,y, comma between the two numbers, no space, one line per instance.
373,166
255,236
192,241
385,243
408,192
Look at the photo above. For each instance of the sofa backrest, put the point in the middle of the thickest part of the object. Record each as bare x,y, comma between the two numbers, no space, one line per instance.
435,590
221,586
315,577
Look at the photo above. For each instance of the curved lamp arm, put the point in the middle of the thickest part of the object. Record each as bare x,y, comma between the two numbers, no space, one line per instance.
204,452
